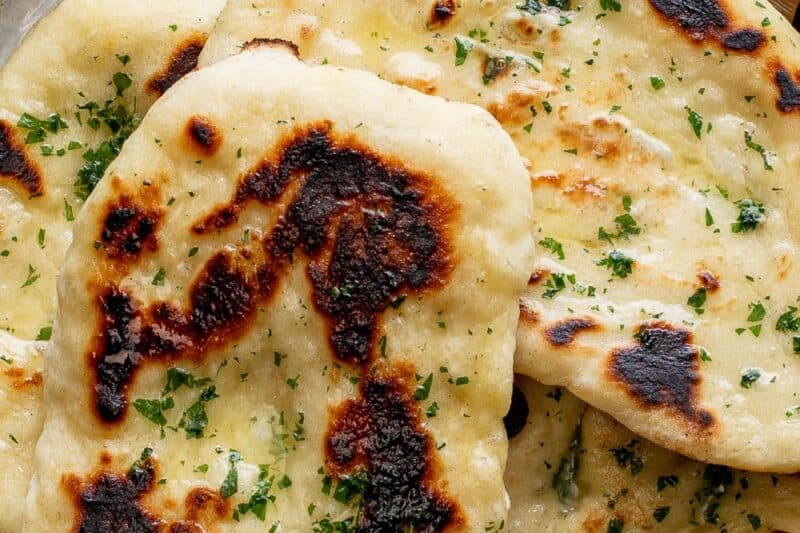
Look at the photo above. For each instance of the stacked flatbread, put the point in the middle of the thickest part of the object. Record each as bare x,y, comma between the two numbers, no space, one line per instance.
69,97
243,319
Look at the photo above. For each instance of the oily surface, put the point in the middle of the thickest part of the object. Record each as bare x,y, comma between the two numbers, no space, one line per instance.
82,47
69,97
574,468
21,419
661,148
268,316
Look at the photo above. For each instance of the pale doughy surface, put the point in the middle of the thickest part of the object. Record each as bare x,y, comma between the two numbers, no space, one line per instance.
70,59
649,119
620,476
278,371
21,419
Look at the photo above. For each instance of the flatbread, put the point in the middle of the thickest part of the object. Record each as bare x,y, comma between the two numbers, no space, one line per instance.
574,468
657,131
81,46
303,279
84,53
21,419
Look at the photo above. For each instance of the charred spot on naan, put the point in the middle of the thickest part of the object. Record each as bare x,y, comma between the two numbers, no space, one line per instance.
538,276
441,13
222,302
662,371
518,412
789,90
206,506
708,280
273,43
128,228
15,164
747,39
182,61
563,333
709,19
379,435
109,501
112,501
527,314
203,136
370,227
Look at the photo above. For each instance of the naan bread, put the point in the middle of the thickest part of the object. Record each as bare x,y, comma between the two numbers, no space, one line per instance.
94,48
657,132
113,58
21,419
574,468
291,303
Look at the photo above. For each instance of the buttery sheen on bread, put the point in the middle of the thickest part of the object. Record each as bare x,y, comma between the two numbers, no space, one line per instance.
292,299
662,154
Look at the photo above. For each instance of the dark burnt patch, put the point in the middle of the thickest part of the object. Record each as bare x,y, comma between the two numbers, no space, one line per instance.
113,502
708,280
563,333
371,229
371,232
182,61
128,228
662,371
517,416
203,136
703,20
222,302
259,42
15,165
789,98
748,40
379,436
696,16
441,13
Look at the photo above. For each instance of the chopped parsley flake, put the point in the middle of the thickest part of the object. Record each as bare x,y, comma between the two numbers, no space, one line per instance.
195,419
564,483
626,456
610,5
554,246
750,215
159,278
698,300
463,47
39,128
33,277
45,333
119,122
749,377
423,389
765,154
618,263
657,83
231,482
696,121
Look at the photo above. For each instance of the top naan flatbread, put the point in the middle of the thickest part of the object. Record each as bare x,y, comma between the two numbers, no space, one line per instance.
291,302
663,155
69,96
